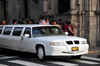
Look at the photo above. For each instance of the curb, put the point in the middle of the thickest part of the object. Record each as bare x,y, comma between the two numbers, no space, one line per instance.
98,56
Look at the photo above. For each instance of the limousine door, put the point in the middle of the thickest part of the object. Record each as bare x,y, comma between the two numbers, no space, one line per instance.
26,42
1,28
5,39
16,38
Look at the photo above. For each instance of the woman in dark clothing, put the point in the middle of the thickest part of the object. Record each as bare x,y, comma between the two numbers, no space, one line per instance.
70,29
65,27
62,27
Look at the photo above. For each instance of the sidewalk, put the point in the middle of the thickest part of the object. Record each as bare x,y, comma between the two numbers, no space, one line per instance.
94,52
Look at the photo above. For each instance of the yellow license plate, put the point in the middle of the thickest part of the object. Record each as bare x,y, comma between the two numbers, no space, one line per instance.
75,48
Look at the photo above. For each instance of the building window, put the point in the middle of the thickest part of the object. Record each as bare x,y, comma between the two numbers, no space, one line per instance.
63,6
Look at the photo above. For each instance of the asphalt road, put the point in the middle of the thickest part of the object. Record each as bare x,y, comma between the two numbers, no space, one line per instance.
16,58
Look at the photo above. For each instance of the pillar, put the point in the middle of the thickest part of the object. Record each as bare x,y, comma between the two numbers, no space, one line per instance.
2,10
22,8
92,23
45,7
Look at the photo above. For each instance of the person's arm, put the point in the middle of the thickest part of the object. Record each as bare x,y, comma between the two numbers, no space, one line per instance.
43,23
59,26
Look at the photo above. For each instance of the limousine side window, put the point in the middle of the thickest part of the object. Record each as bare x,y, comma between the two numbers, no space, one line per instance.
1,29
27,31
7,31
36,32
17,31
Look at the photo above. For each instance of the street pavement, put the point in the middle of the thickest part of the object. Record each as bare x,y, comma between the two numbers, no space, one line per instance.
93,52
15,58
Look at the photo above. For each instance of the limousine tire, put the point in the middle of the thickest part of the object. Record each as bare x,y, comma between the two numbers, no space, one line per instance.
76,57
40,53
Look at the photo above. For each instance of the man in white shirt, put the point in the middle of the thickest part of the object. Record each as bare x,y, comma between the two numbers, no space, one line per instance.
46,22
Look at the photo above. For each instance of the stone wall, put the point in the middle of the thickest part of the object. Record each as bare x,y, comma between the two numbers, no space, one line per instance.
35,9
2,10
84,13
12,10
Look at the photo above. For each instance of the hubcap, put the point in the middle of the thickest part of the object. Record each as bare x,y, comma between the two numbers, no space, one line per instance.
40,53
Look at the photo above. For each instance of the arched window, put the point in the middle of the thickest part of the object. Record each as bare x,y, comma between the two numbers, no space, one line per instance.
63,6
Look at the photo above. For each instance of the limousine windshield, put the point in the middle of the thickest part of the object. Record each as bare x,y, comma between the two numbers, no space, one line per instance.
46,31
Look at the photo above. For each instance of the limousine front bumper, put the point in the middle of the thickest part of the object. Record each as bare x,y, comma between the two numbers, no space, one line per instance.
66,51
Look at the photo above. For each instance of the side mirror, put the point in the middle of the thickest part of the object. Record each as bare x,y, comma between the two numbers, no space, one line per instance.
66,33
27,35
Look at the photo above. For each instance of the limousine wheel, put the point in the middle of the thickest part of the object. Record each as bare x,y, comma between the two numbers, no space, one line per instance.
76,57
40,53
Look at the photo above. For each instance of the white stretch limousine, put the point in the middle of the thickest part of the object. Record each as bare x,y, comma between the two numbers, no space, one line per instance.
44,40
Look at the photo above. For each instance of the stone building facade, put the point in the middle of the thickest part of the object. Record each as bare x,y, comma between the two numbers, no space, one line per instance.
83,14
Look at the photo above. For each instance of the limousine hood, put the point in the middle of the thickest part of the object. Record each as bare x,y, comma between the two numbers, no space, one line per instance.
60,38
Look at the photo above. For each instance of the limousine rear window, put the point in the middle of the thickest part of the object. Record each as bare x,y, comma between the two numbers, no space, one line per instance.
1,29
17,31
7,31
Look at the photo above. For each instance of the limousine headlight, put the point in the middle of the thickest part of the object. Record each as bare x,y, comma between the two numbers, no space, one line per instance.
56,44
84,42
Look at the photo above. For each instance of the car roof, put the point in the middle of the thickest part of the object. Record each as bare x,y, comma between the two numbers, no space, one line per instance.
26,25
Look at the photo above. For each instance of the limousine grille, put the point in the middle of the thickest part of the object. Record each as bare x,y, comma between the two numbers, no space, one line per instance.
76,42
70,42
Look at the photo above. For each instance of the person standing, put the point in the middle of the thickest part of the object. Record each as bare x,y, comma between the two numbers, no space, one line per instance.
60,22
3,22
31,21
15,21
24,21
55,23
51,22
65,27
70,29
56,30
40,21
46,22
62,27
34,22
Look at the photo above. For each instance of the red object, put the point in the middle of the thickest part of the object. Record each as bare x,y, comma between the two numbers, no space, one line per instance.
69,32
65,28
